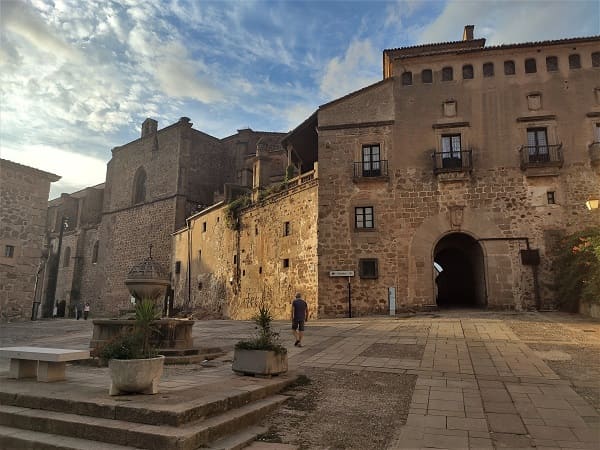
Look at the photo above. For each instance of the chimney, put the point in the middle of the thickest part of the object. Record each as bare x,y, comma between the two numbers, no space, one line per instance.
468,33
149,127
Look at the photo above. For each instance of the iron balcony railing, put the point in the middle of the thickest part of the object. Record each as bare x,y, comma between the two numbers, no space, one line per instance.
541,156
452,161
364,169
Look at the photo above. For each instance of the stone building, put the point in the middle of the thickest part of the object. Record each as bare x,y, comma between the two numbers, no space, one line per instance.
447,183
152,185
23,202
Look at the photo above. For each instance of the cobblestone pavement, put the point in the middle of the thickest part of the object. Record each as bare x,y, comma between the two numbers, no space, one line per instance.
479,383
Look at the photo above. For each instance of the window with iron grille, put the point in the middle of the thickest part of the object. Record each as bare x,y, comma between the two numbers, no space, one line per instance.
363,217
596,59
537,144
427,76
367,268
550,197
447,74
407,78
509,68
9,251
530,65
451,146
551,63
467,71
574,61
488,69
371,160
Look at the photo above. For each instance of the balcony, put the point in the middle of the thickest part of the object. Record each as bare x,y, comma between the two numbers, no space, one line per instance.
374,170
541,156
447,162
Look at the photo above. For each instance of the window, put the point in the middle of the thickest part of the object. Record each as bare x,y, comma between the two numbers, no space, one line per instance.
530,65
204,227
447,74
427,76
451,151
286,229
467,71
199,255
260,269
596,59
551,63
256,230
9,251
574,61
139,186
550,197
406,78
537,144
95,252
509,68
177,266
367,268
363,217
67,257
371,160
488,69
286,263
235,259
597,133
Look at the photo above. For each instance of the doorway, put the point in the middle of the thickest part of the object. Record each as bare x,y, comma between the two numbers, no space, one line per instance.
459,272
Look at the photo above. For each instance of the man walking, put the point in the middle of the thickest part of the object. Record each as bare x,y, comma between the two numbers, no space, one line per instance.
299,316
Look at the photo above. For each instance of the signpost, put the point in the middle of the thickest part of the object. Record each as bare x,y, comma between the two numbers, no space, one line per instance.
349,274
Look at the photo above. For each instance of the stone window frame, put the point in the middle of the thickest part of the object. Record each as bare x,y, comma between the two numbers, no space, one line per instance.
362,273
468,72
370,140
510,68
406,78
427,76
551,197
488,69
447,73
95,251
530,65
549,124
574,61
139,191
551,63
595,57
9,251
465,137
365,212
287,228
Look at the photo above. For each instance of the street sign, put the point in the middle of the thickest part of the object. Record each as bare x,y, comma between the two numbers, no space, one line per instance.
341,273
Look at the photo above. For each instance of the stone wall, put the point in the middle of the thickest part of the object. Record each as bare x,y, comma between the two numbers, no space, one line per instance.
235,271
23,211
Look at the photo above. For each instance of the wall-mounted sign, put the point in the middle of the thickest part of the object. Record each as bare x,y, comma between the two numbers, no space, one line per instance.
341,273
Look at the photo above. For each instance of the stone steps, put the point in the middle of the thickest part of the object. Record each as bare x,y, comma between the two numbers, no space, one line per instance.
38,425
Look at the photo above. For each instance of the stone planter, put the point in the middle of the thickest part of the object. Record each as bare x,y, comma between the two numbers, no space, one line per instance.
135,375
259,362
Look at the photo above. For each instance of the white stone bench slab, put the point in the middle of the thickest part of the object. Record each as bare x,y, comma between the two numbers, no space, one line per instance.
47,364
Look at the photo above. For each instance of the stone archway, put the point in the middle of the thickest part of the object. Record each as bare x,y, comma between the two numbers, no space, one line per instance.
460,267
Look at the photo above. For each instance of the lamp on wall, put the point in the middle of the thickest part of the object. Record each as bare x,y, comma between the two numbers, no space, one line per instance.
592,204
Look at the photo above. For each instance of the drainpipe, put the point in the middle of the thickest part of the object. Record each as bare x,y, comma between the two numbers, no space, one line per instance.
189,264
534,268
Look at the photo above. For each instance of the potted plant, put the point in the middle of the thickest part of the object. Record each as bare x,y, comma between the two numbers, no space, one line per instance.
134,365
263,355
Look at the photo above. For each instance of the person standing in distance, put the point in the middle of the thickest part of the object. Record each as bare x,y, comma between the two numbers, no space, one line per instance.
299,317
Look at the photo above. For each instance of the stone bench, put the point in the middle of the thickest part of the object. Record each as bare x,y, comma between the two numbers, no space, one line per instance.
47,364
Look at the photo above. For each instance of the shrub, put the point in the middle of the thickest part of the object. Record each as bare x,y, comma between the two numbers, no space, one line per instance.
233,208
266,338
577,269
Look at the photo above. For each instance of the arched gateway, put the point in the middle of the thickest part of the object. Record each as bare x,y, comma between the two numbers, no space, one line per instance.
459,272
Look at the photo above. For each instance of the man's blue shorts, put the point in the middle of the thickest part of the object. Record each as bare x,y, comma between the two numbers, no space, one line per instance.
298,325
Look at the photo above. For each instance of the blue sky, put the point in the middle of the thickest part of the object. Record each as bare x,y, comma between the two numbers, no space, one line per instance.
78,77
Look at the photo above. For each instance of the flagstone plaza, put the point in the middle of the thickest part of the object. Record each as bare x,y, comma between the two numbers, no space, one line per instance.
482,380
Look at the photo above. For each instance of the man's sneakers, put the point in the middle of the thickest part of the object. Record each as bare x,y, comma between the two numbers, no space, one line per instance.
297,344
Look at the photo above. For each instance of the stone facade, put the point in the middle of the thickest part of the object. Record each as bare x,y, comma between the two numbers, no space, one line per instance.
448,183
23,201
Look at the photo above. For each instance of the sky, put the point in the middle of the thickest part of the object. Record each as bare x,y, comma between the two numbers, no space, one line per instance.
78,77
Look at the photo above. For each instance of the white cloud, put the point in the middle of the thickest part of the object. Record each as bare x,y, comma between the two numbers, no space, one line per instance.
503,22
89,170
359,67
